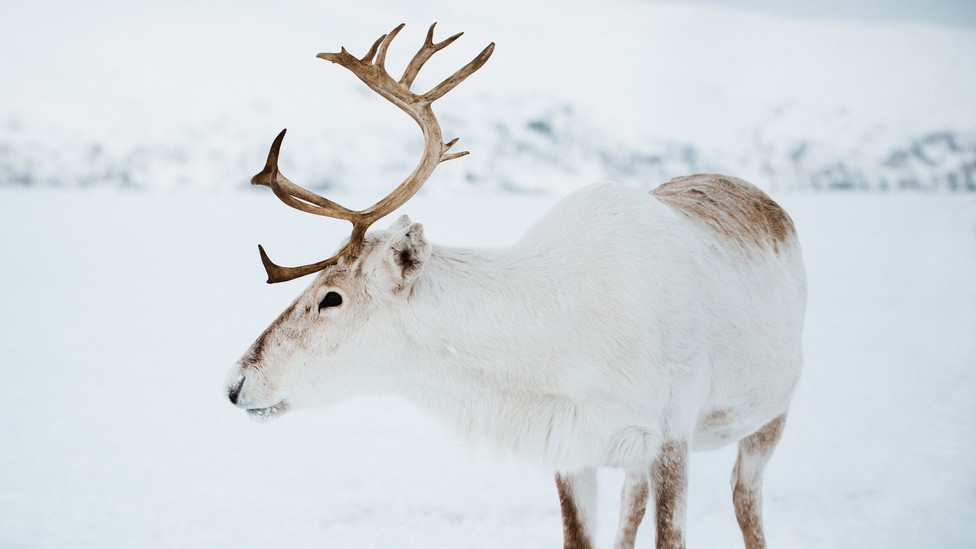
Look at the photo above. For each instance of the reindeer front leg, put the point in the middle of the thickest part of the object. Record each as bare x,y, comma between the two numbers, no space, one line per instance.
669,482
577,504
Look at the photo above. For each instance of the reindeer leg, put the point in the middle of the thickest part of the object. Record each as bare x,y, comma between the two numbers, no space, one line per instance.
754,452
633,503
577,503
669,480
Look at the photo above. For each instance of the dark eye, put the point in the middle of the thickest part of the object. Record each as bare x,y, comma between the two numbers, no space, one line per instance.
331,299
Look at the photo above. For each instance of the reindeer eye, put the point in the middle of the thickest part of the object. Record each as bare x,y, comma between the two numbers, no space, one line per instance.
331,299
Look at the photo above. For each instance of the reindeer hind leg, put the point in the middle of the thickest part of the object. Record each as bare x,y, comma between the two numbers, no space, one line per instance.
754,452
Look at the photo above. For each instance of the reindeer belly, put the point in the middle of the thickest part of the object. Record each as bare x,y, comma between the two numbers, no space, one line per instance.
717,427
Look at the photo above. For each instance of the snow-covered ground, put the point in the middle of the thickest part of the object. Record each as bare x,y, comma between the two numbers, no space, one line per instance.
189,94
121,311
120,314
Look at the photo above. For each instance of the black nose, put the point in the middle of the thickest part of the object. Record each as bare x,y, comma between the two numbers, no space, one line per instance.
234,390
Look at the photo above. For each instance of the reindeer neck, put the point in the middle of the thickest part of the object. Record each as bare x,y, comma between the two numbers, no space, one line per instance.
481,342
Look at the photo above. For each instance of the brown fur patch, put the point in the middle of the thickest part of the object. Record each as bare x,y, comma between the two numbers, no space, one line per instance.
574,535
257,348
635,514
747,497
669,474
764,439
335,277
714,418
748,512
731,207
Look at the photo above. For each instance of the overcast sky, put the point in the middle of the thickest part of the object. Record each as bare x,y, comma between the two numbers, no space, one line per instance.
959,13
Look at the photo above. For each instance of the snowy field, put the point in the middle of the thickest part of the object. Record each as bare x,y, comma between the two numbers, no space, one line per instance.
130,280
122,313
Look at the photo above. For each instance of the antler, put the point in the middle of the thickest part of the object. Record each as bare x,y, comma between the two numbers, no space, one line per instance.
371,70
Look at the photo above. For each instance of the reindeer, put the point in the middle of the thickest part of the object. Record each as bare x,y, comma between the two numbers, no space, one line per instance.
623,330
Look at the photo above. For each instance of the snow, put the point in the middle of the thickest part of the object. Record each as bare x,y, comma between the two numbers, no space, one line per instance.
122,313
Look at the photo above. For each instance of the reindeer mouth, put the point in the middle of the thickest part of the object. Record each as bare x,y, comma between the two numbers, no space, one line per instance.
267,414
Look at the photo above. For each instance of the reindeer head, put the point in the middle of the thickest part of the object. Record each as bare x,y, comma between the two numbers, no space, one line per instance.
313,350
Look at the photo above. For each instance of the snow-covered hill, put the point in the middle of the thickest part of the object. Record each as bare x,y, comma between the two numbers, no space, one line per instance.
190,95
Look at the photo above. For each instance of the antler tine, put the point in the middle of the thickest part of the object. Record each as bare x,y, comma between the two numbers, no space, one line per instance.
445,157
288,192
381,56
452,81
423,54
277,273
452,156
263,177
368,58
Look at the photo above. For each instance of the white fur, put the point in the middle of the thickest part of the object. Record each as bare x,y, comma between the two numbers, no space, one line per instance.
616,323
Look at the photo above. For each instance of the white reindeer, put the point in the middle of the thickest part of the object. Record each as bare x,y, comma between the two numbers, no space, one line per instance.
623,330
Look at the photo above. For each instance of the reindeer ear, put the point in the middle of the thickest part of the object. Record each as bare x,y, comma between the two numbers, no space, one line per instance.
401,224
410,250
